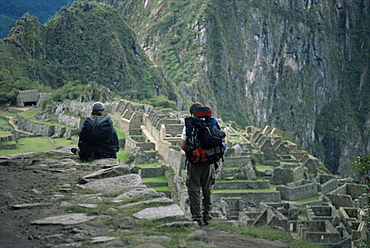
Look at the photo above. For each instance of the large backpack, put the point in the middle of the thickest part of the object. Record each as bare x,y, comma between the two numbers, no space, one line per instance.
98,138
97,130
203,137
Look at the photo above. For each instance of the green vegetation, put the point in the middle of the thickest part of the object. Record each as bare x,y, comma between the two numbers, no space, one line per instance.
144,227
37,145
161,179
161,188
244,190
95,57
263,168
7,113
362,167
152,165
63,142
74,90
161,101
233,55
6,142
306,200
119,133
31,144
347,115
231,167
30,114
266,233
4,123
121,156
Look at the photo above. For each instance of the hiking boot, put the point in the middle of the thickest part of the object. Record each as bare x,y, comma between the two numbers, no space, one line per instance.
200,223
206,220
74,150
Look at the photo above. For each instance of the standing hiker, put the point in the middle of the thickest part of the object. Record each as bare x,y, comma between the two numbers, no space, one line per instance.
98,138
201,140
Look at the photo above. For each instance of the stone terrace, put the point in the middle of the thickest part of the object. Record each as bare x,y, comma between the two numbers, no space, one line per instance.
241,187
237,193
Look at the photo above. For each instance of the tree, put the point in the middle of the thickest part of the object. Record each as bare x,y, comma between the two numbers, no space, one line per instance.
362,166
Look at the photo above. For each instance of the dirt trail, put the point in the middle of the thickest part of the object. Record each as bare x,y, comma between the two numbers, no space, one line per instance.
11,122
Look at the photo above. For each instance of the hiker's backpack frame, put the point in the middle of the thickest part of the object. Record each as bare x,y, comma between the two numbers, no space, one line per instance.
203,141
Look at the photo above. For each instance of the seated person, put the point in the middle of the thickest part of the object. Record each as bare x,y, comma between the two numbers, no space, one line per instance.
98,138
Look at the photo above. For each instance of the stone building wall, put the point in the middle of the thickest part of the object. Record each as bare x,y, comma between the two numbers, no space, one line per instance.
36,128
297,190
287,174
55,131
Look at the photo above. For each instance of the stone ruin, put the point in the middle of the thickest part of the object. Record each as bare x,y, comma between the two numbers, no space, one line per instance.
337,217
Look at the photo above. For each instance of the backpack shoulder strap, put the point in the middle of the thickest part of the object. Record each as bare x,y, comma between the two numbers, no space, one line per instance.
191,132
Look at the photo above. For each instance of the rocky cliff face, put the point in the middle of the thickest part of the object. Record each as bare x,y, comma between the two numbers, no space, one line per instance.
301,66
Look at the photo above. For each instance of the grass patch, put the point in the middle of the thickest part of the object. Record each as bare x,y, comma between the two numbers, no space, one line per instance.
230,180
161,188
100,208
153,165
63,142
273,186
36,144
8,113
161,179
30,115
230,167
7,143
266,233
149,228
243,190
4,123
121,156
119,133
263,168
306,200
5,134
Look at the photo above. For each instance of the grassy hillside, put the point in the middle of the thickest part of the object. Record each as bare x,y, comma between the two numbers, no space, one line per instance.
300,67
89,45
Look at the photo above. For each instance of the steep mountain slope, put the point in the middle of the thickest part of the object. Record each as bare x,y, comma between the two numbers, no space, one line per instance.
88,43
301,66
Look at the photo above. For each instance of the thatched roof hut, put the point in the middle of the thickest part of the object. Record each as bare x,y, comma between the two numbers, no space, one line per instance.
42,97
27,97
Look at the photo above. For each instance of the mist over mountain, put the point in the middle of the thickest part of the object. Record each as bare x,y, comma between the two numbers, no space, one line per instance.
300,66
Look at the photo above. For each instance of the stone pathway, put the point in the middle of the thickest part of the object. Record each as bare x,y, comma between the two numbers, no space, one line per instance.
41,193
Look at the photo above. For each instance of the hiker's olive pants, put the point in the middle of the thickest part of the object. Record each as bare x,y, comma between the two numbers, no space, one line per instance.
200,176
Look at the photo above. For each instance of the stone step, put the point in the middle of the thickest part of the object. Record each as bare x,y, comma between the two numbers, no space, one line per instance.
150,171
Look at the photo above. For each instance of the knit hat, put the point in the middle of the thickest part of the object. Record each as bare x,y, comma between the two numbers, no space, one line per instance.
98,106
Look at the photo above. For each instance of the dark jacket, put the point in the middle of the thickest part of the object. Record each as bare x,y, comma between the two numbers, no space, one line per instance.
98,138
